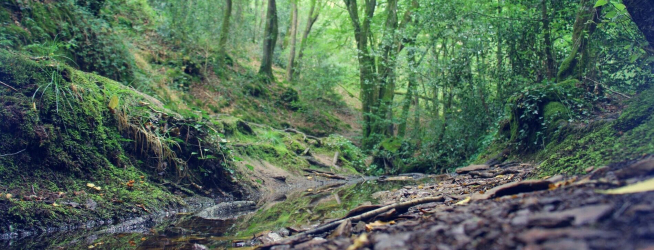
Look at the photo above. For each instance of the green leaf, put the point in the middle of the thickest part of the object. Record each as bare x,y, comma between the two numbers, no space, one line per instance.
113,103
619,6
250,167
611,14
600,3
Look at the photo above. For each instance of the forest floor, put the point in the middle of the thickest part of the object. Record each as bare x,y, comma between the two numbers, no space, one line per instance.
504,207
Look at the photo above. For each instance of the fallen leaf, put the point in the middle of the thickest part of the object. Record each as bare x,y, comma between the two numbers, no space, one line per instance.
309,190
464,201
143,239
371,226
643,186
499,176
132,243
359,242
420,187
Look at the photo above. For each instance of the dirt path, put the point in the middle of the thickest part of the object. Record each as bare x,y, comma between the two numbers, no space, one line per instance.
496,208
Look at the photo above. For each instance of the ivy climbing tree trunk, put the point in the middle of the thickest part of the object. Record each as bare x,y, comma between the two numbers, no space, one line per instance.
291,54
642,13
366,66
311,19
390,48
585,23
224,33
269,41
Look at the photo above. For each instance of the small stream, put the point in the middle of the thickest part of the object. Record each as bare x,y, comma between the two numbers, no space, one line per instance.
226,225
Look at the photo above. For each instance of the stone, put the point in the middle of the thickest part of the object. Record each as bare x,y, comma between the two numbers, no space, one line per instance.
640,168
470,168
343,230
91,204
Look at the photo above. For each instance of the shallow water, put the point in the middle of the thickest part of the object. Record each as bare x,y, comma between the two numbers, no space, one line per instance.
299,209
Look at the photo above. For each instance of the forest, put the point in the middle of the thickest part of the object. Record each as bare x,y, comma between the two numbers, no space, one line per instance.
326,124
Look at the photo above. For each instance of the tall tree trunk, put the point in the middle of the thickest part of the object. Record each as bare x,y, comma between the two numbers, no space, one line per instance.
549,59
366,66
389,48
642,13
312,18
499,73
577,61
224,33
270,39
411,61
291,54
255,29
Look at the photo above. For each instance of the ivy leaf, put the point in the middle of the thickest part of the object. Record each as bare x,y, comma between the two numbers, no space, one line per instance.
619,6
600,3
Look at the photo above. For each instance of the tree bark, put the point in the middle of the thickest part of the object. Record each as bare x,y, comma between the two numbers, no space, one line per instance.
312,18
389,48
291,54
549,59
585,23
411,60
366,66
224,33
642,13
270,39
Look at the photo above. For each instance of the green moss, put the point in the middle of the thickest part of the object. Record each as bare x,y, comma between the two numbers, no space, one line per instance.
629,137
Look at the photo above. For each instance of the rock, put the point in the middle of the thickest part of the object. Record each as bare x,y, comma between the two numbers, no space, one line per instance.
391,241
565,244
470,168
274,236
538,235
91,204
310,244
640,168
199,247
551,220
588,214
360,227
343,230
514,188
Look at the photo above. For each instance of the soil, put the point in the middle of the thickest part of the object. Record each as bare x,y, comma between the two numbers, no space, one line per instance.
499,207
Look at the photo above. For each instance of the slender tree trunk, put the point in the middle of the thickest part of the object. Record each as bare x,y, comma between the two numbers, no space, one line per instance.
549,59
224,33
411,61
291,54
270,39
642,13
389,48
500,78
256,22
584,26
312,18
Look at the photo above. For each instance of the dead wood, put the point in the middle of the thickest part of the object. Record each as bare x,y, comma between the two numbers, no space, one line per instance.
399,207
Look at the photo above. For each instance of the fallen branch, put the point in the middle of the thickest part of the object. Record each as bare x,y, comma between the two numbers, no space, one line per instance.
13,153
8,86
607,88
399,207
315,162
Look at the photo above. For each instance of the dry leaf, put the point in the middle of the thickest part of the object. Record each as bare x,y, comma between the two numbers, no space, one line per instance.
113,103
643,186
464,201
359,242
371,226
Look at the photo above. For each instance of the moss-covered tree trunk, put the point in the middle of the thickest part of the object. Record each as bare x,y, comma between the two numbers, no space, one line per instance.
576,62
269,41
547,39
224,32
369,95
291,54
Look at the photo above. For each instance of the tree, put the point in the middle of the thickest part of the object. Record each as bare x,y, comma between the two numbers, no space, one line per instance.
642,13
291,55
269,41
311,20
224,32
584,26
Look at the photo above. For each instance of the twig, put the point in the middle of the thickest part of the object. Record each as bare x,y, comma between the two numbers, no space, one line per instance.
605,87
8,86
400,207
13,153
